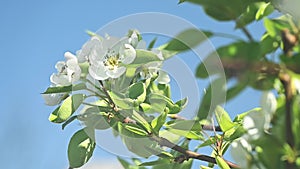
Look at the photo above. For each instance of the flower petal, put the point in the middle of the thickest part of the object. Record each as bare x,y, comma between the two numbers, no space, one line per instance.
163,77
60,66
98,72
60,79
117,72
70,56
127,54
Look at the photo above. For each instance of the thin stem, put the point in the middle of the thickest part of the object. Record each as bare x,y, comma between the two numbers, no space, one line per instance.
187,153
247,33
114,106
98,95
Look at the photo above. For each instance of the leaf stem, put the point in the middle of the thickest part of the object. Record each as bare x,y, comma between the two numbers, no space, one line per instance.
247,33
113,105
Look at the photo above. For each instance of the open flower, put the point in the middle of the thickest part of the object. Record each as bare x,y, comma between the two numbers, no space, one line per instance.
68,71
111,60
91,48
152,69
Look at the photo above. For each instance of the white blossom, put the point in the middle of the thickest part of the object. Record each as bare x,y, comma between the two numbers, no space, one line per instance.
268,103
240,152
68,71
91,48
110,61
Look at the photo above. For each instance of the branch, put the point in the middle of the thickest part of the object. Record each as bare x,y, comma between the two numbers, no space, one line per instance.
286,82
187,153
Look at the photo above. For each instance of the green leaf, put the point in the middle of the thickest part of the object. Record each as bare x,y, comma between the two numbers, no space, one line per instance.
68,122
142,121
214,95
124,163
240,117
137,92
223,119
156,162
221,163
68,107
209,141
135,129
249,15
182,103
187,134
269,44
64,89
187,125
186,40
235,90
265,9
224,10
159,121
275,26
80,148
236,58
121,101
134,142
94,117
156,104
151,44
234,133
143,57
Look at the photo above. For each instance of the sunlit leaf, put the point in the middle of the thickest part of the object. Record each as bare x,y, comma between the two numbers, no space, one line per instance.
223,119
222,163
67,108
80,149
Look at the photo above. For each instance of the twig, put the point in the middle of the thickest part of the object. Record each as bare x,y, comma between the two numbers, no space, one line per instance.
247,33
187,153
113,105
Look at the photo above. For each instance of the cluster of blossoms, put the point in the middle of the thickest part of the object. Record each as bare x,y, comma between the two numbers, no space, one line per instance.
107,58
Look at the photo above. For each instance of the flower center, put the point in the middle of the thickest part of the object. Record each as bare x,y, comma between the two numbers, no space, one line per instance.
112,62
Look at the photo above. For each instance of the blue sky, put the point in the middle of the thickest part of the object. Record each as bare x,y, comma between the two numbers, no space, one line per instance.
34,34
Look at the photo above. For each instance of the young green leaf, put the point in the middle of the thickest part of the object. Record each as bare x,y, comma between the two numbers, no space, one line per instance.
143,57
159,121
187,125
156,162
223,119
68,107
222,163
183,40
264,10
80,148
136,130
121,101
137,92
140,119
